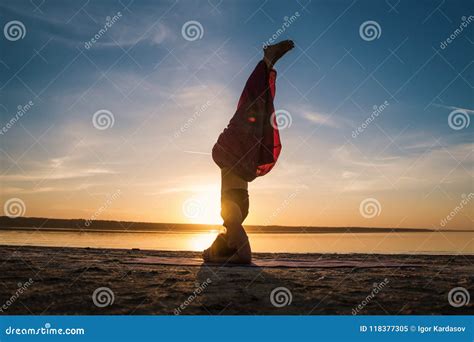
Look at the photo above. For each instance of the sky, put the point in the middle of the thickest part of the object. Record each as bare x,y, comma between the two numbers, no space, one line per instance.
122,101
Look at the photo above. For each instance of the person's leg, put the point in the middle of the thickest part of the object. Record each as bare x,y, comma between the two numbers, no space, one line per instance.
256,106
253,102
250,144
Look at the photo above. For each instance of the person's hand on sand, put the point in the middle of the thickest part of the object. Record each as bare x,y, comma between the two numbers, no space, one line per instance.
220,251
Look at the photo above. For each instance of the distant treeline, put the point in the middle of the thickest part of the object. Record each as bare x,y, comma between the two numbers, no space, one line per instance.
127,226
81,224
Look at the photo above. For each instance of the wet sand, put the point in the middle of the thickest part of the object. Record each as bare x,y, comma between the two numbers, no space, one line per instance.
63,281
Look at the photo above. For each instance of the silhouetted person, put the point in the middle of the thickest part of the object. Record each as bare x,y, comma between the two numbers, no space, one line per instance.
248,148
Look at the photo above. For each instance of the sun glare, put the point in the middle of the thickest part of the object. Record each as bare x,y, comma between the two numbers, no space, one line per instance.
203,206
201,241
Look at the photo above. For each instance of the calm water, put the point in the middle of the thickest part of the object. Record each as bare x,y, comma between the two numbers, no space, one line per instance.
419,243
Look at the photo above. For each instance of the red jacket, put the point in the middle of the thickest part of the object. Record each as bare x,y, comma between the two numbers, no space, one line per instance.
250,145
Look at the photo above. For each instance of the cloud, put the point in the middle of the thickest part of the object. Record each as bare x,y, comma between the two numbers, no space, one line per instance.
56,174
320,119
125,31
428,168
126,35
468,111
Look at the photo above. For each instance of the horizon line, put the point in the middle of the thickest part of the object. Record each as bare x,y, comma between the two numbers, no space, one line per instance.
220,225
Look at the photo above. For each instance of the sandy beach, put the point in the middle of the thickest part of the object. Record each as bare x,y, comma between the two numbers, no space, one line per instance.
45,280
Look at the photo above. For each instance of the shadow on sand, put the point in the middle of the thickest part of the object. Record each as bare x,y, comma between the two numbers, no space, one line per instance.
242,290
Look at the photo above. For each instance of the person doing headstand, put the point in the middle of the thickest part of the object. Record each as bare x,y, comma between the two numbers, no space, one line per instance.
247,148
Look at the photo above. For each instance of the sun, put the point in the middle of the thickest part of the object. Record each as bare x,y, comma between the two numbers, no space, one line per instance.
203,206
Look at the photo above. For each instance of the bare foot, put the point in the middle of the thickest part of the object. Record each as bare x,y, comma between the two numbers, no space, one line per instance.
272,53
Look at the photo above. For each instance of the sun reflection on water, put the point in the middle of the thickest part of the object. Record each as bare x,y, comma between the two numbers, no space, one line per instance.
199,242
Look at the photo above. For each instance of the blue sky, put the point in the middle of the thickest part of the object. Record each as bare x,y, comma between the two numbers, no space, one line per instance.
154,81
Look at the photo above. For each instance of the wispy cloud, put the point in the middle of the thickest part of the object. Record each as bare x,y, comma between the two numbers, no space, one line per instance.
124,33
468,111
321,119
56,175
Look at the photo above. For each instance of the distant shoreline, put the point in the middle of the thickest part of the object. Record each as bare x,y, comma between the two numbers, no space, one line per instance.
75,225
